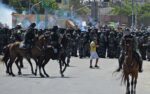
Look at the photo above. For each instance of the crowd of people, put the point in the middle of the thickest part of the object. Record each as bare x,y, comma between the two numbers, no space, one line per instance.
108,39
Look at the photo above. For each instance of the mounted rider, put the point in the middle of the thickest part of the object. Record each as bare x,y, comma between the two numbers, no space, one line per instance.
18,32
29,36
55,41
138,57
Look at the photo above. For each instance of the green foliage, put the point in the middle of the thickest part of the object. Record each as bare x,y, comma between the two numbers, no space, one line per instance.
145,8
79,7
45,3
75,3
123,9
50,4
143,11
126,8
145,18
84,11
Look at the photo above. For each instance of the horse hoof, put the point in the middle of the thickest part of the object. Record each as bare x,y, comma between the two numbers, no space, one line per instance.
47,75
13,75
62,75
19,73
68,65
128,93
21,66
42,75
7,72
34,73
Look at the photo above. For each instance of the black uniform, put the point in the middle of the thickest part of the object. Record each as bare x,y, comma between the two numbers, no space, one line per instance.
135,51
29,36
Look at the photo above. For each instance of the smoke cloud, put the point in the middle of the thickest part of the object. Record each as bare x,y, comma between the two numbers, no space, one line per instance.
5,15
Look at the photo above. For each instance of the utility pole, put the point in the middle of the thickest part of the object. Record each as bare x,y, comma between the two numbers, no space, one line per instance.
46,17
132,16
136,13
45,12
94,11
99,12
29,2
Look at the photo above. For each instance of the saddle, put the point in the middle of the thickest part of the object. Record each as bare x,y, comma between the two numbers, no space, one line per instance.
137,57
24,46
55,52
27,47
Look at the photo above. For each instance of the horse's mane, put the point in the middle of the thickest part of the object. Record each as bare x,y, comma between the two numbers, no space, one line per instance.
41,36
129,36
17,42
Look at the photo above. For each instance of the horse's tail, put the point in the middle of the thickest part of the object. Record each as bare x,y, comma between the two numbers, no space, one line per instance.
121,76
6,53
124,78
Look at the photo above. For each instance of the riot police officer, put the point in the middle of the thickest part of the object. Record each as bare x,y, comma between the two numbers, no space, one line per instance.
29,37
135,49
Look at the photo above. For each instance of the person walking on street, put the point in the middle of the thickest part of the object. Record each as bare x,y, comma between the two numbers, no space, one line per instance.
93,53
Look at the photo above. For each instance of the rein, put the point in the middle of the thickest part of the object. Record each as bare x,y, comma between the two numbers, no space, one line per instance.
129,53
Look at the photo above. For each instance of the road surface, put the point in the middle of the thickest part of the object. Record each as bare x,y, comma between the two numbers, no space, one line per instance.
79,79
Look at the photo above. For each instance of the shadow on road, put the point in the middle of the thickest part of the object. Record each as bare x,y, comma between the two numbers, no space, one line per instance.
33,76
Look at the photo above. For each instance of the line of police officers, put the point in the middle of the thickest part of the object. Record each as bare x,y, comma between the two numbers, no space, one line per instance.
108,40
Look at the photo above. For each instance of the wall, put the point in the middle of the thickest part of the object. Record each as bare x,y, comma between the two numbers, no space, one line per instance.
26,20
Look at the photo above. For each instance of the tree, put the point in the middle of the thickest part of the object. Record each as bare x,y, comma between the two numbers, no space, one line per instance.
50,4
143,11
123,9
126,8
21,5
79,7
145,8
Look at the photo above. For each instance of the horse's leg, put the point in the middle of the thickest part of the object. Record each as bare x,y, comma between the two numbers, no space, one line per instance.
5,59
68,60
6,64
132,85
28,59
21,62
36,66
43,66
60,66
135,83
40,66
17,63
65,65
128,86
10,66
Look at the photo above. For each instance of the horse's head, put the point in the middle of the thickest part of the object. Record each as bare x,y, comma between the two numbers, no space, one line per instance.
129,44
42,40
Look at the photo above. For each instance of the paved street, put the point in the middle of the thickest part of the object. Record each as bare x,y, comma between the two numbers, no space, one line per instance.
79,79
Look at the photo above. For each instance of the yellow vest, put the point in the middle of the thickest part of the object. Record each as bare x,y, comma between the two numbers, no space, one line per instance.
92,46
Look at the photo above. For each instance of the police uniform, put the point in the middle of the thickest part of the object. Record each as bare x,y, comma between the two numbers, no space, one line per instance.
135,50
29,36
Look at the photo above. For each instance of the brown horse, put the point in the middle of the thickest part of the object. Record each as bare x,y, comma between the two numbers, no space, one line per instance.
61,56
6,58
17,53
130,67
